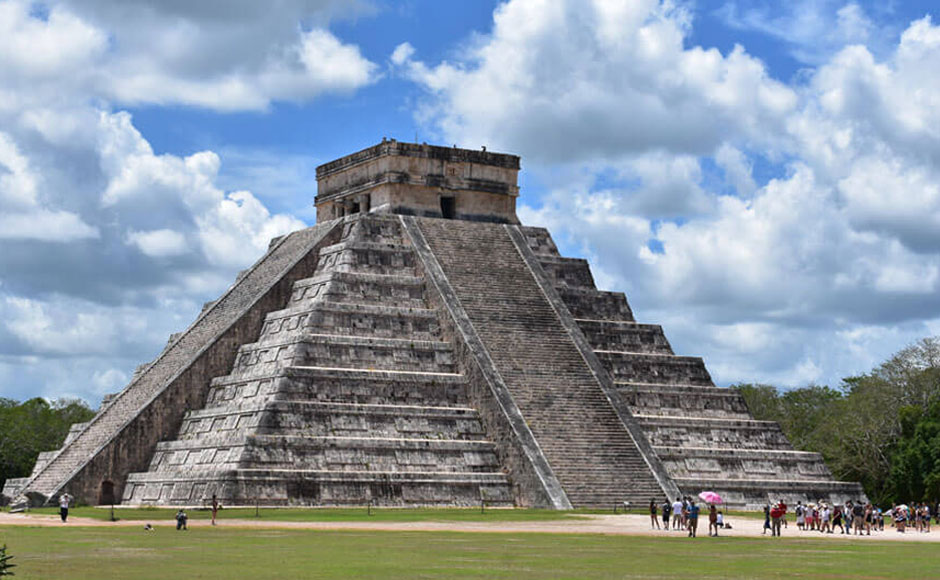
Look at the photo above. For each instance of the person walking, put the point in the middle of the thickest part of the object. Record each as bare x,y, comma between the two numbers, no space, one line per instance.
215,508
64,500
713,521
766,520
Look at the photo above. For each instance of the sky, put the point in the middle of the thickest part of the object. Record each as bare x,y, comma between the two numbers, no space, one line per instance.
760,178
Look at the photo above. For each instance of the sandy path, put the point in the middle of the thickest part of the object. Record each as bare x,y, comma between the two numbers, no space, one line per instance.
626,525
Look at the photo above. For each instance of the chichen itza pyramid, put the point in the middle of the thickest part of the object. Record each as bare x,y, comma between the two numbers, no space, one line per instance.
419,346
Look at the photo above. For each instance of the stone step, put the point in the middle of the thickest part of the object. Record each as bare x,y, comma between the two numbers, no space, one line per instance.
555,391
652,368
367,257
683,401
346,352
740,464
625,336
335,419
721,433
351,318
322,488
592,304
330,384
327,452
539,241
568,272
375,228
359,288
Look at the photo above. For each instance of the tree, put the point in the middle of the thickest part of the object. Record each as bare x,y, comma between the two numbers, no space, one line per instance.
33,426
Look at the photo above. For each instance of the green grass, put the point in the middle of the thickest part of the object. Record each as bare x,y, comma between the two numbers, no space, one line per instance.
208,553
327,514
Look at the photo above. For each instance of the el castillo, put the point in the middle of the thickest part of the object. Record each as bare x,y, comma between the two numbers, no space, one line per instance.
419,346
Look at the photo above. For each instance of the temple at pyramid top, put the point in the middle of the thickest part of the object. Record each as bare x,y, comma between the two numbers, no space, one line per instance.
421,180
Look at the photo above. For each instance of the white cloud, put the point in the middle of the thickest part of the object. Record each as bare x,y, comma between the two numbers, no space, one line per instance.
813,274
813,29
159,243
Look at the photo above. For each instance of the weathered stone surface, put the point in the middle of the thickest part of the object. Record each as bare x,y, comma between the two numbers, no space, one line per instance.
406,360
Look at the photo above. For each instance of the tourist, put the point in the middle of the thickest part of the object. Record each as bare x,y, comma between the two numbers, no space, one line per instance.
900,519
800,515
693,518
926,517
777,513
858,517
721,520
677,514
825,516
837,520
654,518
712,521
849,515
64,500
667,511
181,520
766,519
215,508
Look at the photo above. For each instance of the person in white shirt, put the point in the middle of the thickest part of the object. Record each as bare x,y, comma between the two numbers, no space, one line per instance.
677,518
64,501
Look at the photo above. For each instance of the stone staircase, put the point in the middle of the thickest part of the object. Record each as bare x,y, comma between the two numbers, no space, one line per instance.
704,435
123,433
577,429
349,395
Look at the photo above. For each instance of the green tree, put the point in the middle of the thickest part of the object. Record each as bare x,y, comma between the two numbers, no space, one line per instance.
33,426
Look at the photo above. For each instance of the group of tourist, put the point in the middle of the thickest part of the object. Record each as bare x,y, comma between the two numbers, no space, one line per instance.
683,514
856,517
862,518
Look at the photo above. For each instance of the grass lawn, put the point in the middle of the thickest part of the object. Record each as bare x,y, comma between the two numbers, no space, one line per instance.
77,553
327,514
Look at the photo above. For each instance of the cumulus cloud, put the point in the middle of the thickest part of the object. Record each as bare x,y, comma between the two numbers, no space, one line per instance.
814,29
814,268
108,247
570,81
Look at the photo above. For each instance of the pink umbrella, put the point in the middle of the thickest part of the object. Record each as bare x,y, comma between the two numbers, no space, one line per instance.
710,497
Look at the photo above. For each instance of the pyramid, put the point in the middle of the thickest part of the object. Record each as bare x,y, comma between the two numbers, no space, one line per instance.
420,347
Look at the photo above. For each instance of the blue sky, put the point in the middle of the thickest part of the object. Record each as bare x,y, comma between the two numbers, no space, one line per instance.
761,178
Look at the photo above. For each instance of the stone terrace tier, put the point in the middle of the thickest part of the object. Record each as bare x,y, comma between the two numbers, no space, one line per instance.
349,395
583,440
705,436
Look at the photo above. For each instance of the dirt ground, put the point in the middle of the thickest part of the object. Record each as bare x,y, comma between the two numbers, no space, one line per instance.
627,525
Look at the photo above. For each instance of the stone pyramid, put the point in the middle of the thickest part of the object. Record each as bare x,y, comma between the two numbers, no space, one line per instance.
420,347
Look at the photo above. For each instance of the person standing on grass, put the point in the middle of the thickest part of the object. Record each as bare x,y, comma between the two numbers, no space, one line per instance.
693,518
654,520
64,500
215,508
677,514
181,519
712,521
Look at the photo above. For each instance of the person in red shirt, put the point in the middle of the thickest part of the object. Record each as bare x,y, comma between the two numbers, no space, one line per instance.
777,513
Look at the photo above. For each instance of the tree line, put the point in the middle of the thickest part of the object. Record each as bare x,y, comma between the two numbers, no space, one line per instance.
881,429
33,426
